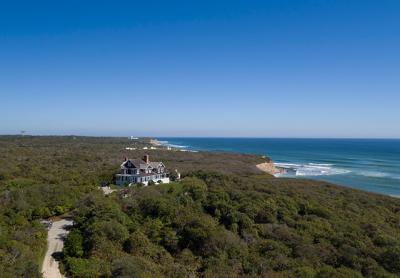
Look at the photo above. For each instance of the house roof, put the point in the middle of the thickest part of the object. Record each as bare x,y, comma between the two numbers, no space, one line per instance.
140,164
132,163
156,164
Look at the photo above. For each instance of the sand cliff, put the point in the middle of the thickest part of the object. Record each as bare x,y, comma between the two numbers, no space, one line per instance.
269,168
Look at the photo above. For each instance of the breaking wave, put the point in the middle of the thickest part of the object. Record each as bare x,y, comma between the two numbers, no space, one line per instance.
167,144
310,169
326,169
375,174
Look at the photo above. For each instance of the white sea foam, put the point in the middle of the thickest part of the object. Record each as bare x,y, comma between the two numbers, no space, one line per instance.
310,169
372,174
321,164
325,169
286,165
375,174
177,146
167,144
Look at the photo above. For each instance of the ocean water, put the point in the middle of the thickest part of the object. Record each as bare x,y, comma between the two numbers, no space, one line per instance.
366,164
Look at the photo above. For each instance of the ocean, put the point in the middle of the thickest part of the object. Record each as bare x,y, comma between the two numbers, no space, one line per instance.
367,164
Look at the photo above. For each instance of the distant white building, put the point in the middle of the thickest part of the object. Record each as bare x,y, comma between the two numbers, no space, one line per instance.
142,171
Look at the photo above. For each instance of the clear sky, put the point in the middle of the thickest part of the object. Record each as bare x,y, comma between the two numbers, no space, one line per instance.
201,68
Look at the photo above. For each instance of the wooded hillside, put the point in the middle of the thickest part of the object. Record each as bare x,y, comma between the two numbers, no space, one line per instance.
224,219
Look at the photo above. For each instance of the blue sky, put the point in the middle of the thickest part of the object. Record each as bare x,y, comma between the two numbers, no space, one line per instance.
201,68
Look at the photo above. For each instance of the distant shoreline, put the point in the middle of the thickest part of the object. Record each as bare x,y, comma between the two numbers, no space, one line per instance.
368,164
270,168
155,142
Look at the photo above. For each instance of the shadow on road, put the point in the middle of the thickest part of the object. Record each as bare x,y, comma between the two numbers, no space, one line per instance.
58,256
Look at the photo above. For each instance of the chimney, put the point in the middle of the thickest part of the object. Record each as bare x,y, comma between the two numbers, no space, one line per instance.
125,158
146,158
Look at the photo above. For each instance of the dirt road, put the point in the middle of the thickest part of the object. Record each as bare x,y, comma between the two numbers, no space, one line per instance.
55,243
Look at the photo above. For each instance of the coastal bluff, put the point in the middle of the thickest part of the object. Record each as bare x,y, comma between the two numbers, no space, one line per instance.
269,167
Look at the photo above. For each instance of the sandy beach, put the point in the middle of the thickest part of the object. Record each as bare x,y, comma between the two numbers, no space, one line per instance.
155,142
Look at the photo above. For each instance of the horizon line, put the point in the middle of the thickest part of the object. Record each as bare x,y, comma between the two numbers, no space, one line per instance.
205,137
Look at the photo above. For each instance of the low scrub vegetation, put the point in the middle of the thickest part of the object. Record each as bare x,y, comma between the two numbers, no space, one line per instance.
224,219
214,225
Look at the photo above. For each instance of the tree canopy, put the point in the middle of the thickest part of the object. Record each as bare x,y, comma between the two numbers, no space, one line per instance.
224,219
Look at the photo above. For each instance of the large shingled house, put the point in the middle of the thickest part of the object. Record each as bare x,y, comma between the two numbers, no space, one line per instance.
141,171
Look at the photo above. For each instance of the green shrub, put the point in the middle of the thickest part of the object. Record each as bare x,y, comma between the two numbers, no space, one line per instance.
390,259
150,183
73,245
83,268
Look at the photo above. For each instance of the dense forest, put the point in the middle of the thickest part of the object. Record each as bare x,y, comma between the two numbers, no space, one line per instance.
223,219
214,225
45,176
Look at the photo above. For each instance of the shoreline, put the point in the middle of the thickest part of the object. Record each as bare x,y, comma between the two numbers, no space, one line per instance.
327,169
155,142
270,168
266,167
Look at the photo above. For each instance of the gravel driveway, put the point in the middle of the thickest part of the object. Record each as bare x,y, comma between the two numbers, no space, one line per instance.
55,243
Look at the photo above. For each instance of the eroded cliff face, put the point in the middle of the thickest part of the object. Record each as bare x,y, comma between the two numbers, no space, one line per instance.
268,167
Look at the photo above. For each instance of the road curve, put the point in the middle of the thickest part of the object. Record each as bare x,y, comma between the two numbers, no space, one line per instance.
55,243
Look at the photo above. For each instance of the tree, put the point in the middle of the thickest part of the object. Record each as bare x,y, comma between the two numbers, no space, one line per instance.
195,187
73,246
111,229
391,259
83,268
